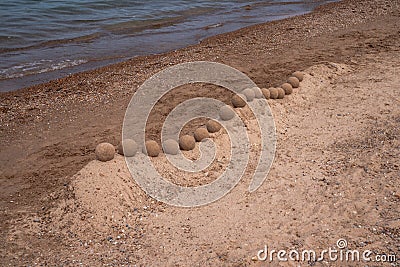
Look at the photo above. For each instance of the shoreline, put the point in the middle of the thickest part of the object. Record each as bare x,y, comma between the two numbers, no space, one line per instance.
141,58
87,60
49,131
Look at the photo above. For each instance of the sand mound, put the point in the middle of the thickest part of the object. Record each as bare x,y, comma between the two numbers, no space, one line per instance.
105,200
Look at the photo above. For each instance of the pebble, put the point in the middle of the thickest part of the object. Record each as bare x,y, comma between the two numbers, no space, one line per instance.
213,126
171,147
152,148
200,134
287,87
105,152
187,142
266,93
294,82
128,148
273,92
226,113
238,101
249,93
299,75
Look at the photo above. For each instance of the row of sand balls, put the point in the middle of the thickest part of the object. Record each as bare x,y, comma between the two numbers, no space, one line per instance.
239,100
129,148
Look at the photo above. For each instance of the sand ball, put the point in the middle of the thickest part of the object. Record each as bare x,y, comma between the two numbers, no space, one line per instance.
128,148
200,134
266,93
281,93
249,93
105,152
152,148
273,93
171,147
299,75
257,92
226,113
294,82
213,126
287,87
187,142
238,101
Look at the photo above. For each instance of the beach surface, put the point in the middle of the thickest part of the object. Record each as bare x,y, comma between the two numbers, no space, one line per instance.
335,175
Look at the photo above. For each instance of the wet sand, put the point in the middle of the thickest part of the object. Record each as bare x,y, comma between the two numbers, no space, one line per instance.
49,132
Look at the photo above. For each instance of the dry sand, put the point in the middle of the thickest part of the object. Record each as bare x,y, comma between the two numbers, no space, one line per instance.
335,175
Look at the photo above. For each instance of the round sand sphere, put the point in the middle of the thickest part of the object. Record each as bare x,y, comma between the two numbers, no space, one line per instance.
281,93
257,92
200,134
128,148
238,101
105,152
226,113
152,148
287,87
294,82
171,147
187,142
266,93
249,93
273,93
299,75
213,126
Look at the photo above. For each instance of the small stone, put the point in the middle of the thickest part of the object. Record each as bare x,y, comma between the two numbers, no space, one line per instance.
299,75
249,93
128,148
281,93
257,92
187,142
151,148
266,93
294,82
105,152
171,147
273,92
238,101
287,87
226,113
200,134
213,126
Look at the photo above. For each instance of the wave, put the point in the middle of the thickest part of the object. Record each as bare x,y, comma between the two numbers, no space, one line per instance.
37,67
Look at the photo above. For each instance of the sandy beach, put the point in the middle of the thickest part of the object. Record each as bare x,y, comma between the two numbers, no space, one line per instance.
335,175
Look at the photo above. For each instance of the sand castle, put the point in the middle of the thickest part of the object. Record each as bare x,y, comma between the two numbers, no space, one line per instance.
129,148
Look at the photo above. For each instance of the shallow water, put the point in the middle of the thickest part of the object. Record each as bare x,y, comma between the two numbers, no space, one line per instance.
42,40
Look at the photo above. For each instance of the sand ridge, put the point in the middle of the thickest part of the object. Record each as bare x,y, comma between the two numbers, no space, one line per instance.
335,175
303,201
